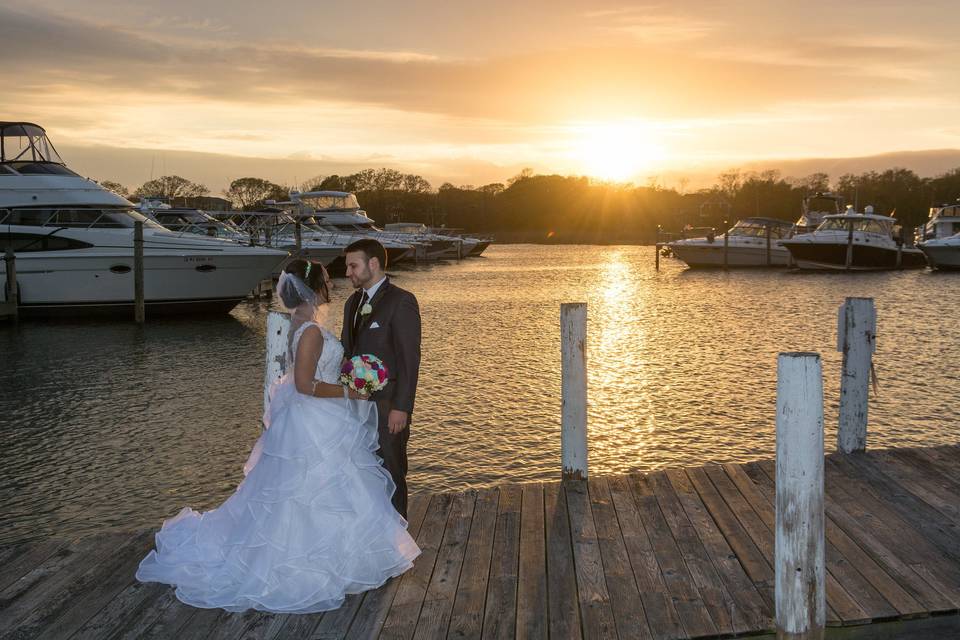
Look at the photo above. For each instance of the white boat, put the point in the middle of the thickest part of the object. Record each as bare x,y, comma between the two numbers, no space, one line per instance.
854,242
277,228
942,222
815,207
943,253
752,242
939,237
338,213
73,242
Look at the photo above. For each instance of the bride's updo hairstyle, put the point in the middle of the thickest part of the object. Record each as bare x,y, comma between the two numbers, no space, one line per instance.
312,275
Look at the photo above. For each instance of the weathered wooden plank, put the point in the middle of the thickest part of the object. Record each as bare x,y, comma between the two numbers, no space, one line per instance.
233,625
941,495
838,543
47,599
899,550
843,582
129,604
33,580
693,612
30,557
622,586
376,604
936,528
466,620
402,618
662,617
500,615
726,616
104,583
595,610
564,619
334,624
204,623
756,559
160,618
438,602
842,606
902,535
532,582
748,604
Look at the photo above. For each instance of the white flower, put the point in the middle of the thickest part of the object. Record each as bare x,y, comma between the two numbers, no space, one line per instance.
366,309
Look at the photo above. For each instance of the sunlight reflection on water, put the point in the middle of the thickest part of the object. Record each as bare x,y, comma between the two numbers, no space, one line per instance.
107,426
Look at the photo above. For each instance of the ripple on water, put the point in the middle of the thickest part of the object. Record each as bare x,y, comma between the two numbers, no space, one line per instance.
108,426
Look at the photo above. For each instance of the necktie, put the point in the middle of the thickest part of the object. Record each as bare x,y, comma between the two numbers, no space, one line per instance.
359,315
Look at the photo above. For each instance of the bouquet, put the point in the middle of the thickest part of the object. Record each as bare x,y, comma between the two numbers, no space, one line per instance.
364,374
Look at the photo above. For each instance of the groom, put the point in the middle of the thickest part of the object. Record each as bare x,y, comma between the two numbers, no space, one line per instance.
384,320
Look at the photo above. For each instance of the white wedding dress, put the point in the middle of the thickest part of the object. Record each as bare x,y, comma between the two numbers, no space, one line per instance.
311,522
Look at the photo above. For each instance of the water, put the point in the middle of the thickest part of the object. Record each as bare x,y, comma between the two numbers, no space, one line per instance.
110,426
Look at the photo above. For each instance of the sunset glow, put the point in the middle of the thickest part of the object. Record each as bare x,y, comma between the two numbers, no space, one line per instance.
474,94
616,151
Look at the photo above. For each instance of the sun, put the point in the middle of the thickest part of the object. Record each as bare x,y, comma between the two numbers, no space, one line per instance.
615,151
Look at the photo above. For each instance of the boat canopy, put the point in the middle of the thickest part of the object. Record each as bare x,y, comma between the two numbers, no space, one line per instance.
757,227
25,142
861,222
330,200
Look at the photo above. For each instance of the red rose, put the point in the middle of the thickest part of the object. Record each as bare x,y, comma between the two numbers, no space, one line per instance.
358,383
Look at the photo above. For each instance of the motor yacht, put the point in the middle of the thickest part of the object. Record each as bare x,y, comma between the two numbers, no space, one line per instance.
74,243
195,221
815,207
339,213
752,242
943,253
942,222
854,241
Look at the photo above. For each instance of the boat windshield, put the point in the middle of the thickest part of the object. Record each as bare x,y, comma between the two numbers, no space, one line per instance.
867,225
26,149
84,218
758,230
331,201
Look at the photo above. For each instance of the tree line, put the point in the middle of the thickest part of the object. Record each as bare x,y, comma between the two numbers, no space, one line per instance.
532,207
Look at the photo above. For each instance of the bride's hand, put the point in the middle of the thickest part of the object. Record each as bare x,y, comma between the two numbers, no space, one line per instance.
356,395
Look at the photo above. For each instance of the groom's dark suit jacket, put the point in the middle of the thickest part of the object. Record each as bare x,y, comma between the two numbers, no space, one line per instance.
391,331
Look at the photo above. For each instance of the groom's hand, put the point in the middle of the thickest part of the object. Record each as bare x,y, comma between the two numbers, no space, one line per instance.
397,420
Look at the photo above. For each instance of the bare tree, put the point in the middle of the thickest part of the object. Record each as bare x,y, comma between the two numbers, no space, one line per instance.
171,187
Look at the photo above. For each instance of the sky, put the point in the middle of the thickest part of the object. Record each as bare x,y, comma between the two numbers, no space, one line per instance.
471,93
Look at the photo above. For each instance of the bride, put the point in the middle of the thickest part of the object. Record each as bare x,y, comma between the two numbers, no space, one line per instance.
312,521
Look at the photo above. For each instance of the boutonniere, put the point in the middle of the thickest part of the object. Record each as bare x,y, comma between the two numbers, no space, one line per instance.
366,309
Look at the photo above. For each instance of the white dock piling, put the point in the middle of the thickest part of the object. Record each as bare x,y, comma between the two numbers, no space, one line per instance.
857,339
278,325
799,552
573,425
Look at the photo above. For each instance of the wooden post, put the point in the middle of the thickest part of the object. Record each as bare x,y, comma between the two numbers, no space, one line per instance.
278,325
799,546
298,235
656,249
11,298
849,260
573,424
726,245
857,339
769,255
139,304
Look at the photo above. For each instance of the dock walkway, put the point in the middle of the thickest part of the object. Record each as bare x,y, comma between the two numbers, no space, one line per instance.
680,553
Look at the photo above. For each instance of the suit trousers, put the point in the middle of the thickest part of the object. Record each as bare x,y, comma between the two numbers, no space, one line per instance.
393,451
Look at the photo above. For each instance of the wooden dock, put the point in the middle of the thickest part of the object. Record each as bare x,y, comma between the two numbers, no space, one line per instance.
682,553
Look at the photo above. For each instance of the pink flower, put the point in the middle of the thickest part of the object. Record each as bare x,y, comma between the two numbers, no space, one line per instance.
381,375
358,383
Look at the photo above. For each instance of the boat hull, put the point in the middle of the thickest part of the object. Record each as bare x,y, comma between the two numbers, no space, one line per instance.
832,256
943,257
707,256
54,284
